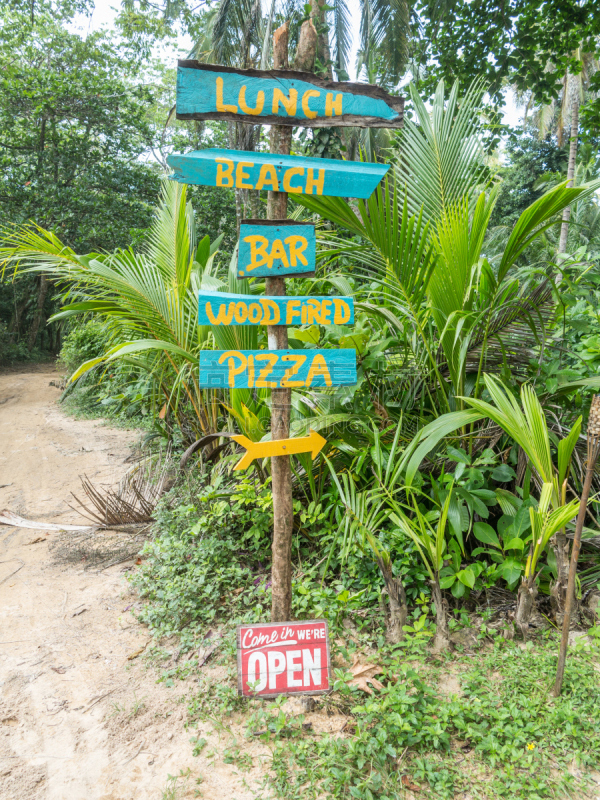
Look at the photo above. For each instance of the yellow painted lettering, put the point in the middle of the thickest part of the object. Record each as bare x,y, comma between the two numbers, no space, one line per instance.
341,313
224,314
224,172
294,307
333,108
326,311
271,313
318,368
313,311
271,360
308,112
241,176
258,251
240,312
250,372
297,245
317,183
220,104
278,253
260,103
293,370
289,103
287,178
267,178
255,313
230,356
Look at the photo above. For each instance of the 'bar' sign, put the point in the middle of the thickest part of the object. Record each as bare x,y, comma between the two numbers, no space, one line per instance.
282,97
283,658
276,249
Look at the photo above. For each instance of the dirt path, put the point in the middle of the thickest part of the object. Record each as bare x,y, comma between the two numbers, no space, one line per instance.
79,718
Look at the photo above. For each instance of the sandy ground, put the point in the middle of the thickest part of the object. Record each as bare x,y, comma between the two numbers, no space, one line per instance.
79,719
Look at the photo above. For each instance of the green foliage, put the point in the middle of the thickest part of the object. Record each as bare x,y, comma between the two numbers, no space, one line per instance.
517,742
84,343
207,563
72,125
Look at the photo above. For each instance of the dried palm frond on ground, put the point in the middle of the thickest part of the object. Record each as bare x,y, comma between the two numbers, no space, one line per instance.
134,499
98,549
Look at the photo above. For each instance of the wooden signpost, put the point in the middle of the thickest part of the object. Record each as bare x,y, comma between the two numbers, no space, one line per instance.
284,97
291,657
239,169
284,658
267,250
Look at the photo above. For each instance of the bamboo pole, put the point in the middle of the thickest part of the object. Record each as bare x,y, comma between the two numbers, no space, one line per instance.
593,447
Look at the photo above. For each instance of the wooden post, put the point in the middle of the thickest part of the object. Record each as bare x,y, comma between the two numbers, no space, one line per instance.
593,448
281,469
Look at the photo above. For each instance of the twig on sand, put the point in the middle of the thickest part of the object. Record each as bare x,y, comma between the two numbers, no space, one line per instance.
101,697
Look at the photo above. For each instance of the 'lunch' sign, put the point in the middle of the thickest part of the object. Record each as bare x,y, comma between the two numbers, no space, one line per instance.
283,658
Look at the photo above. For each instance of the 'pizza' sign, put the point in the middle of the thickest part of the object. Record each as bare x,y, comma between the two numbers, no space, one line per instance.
283,658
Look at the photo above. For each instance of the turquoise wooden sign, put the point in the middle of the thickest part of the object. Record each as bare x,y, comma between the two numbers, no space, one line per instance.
277,369
294,174
220,308
208,91
269,249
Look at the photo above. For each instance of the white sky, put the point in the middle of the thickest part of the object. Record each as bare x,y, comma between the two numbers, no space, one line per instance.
105,12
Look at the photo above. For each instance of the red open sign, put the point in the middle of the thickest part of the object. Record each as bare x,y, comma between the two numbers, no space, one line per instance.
283,658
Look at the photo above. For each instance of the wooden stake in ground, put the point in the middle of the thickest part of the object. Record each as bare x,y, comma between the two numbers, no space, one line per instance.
593,448
281,470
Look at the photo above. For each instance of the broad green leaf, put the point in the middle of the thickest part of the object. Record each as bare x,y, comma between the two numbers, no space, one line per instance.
486,534
503,473
466,576
514,544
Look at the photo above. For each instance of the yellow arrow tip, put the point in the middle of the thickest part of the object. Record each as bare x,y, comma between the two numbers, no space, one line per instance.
317,443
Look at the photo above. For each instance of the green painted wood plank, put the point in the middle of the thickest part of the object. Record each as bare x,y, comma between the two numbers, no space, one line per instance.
209,91
269,249
268,171
274,369
222,308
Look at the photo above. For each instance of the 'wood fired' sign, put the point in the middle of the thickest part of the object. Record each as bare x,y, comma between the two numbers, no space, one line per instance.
276,249
277,369
283,658
241,169
221,308
285,97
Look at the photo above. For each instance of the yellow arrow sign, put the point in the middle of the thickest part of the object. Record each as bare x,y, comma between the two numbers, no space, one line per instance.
312,444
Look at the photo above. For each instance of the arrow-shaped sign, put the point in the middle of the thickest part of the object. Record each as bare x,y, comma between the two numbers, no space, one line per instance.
312,444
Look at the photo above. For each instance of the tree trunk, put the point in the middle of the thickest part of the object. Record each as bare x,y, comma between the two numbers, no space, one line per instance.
558,592
525,604
395,618
39,312
575,100
318,14
441,640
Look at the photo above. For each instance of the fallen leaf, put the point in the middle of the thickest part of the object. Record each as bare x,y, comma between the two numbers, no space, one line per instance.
408,784
137,652
363,673
206,653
